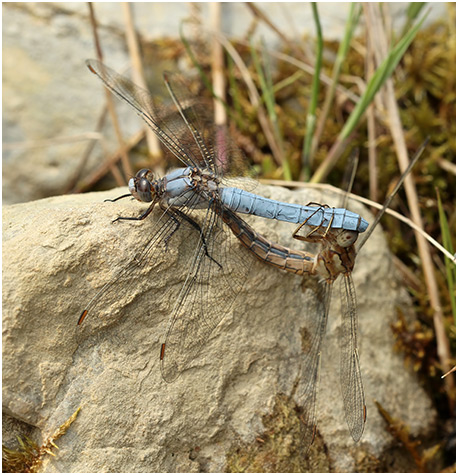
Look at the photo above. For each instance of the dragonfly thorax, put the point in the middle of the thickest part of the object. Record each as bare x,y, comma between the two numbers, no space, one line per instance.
335,260
204,179
142,185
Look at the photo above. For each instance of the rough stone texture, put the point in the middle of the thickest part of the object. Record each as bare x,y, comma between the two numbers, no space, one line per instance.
58,251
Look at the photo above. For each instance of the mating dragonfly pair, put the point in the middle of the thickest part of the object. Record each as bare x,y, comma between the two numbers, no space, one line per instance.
203,183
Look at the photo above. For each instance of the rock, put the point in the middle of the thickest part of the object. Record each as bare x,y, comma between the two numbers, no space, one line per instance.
58,251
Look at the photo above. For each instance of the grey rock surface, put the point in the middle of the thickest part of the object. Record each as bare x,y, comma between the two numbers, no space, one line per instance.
58,251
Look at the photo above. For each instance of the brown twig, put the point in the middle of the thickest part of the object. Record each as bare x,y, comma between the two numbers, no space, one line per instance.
399,430
71,184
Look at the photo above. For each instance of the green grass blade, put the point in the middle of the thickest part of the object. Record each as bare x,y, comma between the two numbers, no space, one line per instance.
382,73
268,97
350,26
234,93
447,241
412,13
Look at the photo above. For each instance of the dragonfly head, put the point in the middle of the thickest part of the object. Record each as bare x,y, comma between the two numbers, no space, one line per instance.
141,186
345,238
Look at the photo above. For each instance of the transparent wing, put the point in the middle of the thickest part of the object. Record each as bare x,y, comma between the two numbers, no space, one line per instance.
218,150
150,250
350,374
319,299
186,129
166,122
210,289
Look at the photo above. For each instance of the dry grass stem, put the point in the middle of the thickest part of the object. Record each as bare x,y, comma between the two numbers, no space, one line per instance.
447,166
217,65
342,92
138,76
111,108
109,163
261,16
71,184
53,142
254,98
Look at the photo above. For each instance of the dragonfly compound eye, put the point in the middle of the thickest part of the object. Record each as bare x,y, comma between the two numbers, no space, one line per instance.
140,188
347,238
144,190
142,173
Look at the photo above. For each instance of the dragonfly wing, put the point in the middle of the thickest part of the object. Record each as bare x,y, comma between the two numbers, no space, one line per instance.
212,284
152,239
350,373
217,150
149,250
186,129
164,121
317,311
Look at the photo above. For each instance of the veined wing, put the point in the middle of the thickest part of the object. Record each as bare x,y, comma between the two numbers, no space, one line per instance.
317,310
165,122
151,249
210,289
185,129
217,150
350,374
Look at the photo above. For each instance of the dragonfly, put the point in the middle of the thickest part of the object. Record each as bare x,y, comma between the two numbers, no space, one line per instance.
336,257
204,185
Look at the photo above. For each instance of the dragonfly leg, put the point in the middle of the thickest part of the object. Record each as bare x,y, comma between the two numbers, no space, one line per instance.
175,228
139,218
119,198
173,213
306,237
313,203
311,236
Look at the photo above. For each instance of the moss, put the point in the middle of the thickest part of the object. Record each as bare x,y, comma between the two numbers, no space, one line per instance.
280,448
28,457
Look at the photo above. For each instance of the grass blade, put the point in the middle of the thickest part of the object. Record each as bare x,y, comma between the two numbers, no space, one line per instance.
450,269
382,73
